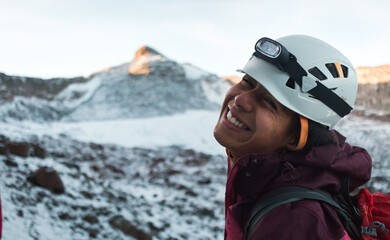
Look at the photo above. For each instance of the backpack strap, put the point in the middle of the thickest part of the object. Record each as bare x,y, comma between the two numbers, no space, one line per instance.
283,195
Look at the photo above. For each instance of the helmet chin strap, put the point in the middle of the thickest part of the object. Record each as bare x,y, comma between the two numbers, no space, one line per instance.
303,135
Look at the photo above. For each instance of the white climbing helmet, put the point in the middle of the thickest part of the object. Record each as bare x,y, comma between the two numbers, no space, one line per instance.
306,75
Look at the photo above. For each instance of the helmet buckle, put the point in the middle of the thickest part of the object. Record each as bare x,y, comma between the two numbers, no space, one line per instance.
308,84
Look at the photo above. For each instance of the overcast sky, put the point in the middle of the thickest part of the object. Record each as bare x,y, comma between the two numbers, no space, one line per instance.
52,38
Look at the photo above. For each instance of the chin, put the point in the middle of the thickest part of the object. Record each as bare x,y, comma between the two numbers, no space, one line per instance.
217,136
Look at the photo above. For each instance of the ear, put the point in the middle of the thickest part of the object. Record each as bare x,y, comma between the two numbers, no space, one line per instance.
292,143
293,146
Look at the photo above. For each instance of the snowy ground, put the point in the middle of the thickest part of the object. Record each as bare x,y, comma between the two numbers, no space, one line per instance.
167,193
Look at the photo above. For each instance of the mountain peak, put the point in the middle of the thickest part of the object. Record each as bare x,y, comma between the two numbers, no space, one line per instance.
140,65
148,61
147,51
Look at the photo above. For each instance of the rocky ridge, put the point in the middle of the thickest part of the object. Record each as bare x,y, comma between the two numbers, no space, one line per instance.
374,91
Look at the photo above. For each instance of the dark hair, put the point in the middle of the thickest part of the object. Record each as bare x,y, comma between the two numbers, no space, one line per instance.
318,135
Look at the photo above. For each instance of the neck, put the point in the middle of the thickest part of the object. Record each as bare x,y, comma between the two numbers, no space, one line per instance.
232,157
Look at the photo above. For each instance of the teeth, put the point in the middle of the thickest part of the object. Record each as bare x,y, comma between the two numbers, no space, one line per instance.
233,120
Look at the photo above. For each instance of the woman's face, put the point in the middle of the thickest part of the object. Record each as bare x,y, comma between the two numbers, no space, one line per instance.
253,121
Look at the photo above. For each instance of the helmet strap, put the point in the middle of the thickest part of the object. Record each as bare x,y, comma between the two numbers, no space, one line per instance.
303,135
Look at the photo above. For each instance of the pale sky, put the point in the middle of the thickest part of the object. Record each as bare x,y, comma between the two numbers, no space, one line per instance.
65,38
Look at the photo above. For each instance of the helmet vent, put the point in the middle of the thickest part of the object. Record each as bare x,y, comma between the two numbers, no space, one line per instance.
317,73
332,69
290,83
345,70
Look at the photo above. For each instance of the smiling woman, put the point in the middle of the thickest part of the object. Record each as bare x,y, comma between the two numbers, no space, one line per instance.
276,125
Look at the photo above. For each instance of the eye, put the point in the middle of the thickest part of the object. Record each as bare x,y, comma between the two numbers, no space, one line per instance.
271,103
247,81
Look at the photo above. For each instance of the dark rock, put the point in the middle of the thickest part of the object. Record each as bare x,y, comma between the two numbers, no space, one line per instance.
191,193
89,157
119,222
38,151
19,148
95,146
114,169
93,233
90,218
195,159
204,181
95,168
11,163
204,212
66,216
157,161
171,172
87,194
40,196
103,211
20,213
71,165
60,154
47,178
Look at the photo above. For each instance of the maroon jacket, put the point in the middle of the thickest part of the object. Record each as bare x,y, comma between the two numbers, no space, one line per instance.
255,174
1,219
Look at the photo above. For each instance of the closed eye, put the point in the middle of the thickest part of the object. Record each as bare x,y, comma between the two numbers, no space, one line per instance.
271,103
248,82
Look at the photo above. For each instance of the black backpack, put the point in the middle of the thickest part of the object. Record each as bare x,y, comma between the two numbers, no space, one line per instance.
341,203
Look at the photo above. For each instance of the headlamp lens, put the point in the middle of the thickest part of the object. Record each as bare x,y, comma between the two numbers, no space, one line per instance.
268,48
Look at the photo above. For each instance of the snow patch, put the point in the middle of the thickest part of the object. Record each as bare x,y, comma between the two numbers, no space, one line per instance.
70,95
193,73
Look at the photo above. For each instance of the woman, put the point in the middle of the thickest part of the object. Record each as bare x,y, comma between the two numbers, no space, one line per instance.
276,125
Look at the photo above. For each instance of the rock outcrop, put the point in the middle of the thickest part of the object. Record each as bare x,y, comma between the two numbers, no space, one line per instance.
374,87
373,75
48,178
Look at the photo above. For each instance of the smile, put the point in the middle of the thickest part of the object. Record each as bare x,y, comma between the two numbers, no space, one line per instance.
234,121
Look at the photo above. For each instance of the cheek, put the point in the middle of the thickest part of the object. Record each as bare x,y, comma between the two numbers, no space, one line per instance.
229,96
270,130
265,120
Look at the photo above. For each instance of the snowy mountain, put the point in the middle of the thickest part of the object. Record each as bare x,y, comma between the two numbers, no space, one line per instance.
151,85
134,149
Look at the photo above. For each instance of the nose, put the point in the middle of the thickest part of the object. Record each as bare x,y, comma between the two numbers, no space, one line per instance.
244,101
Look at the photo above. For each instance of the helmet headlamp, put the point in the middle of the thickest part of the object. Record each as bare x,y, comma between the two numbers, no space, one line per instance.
270,48
272,52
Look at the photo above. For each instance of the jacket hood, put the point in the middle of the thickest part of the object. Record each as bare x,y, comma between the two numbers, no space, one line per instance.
340,159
